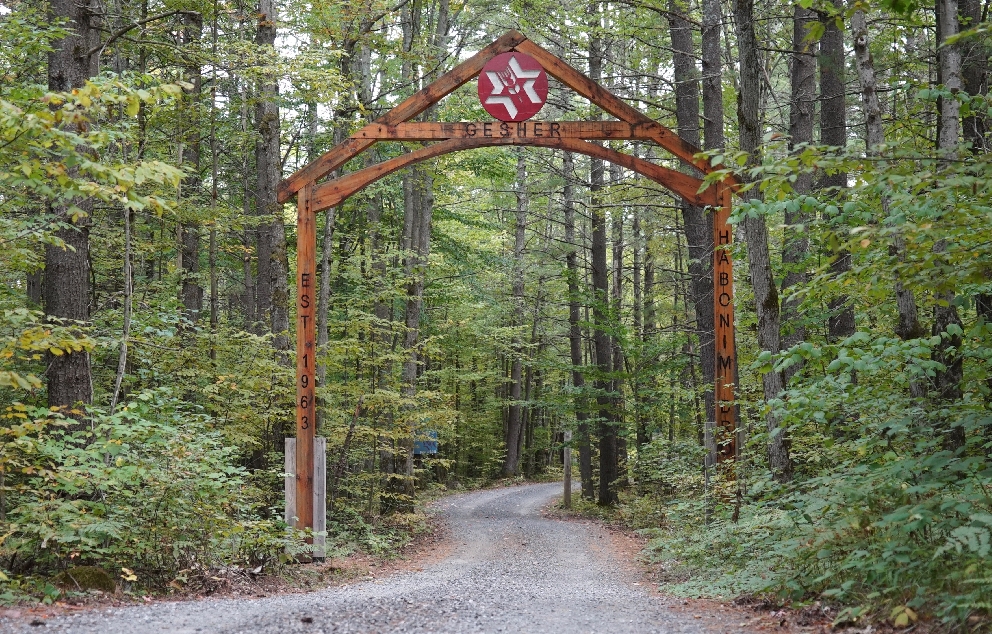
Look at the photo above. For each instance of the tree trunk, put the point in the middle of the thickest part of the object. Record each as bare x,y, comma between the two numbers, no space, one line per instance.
974,74
514,419
273,262
697,223
637,383
191,292
67,269
619,364
575,334
833,132
419,207
795,247
908,326
713,139
608,466
948,380
756,233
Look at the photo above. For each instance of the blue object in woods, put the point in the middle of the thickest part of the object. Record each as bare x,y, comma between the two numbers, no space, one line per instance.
427,445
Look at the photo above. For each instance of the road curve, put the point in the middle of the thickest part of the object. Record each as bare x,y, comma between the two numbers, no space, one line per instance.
509,570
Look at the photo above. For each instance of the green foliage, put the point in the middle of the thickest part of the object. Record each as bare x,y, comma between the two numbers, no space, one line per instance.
148,488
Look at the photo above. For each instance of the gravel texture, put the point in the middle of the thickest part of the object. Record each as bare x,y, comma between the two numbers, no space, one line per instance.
508,570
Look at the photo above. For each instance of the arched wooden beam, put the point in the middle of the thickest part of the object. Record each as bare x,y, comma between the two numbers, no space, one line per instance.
464,72
612,104
408,109
334,192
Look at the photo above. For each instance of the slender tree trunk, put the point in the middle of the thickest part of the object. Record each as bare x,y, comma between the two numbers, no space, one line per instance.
67,268
324,292
212,255
697,222
908,326
575,334
712,75
248,197
947,352
756,233
649,326
191,292
128,302
421,209
802,110
975,126
619,363
713,139
637,382
514,419
608,466
273,259
974,74
833,132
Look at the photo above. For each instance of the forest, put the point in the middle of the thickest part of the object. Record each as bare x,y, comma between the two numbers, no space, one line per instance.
507,302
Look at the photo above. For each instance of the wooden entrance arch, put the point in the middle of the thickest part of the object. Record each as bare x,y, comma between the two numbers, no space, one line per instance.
568,136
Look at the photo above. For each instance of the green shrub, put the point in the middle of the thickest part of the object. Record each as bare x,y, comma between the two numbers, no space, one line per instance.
149,488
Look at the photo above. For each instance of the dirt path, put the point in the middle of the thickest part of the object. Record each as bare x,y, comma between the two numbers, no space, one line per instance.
507,569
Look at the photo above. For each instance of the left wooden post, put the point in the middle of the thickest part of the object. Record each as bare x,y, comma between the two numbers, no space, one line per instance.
306,265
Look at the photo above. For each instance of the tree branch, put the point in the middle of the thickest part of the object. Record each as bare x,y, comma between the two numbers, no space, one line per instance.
98,49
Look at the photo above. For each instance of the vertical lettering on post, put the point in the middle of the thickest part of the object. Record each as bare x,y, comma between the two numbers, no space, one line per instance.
723,305
306,265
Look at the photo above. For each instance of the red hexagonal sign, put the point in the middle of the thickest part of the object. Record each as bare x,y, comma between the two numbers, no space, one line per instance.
513,87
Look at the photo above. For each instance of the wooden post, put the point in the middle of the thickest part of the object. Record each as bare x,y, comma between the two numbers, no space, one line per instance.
567,464
723,315
319,497
306,265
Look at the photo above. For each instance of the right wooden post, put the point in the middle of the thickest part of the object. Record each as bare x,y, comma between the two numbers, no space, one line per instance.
723,318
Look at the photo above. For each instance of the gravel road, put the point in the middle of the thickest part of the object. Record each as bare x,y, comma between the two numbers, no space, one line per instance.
508,570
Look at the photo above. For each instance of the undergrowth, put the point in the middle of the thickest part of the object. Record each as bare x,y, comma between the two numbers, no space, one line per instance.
885,518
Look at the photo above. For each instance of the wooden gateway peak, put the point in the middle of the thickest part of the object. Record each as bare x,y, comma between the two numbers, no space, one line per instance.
443,138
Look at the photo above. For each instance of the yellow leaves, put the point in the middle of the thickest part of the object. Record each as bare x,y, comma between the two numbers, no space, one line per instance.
133,105
903,616
9,378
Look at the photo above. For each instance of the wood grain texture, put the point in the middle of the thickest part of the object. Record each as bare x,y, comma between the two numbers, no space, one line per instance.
409,108
433,131
335,191
306,265
723,318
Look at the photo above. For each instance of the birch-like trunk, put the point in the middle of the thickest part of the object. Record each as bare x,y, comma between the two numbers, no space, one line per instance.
908,325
